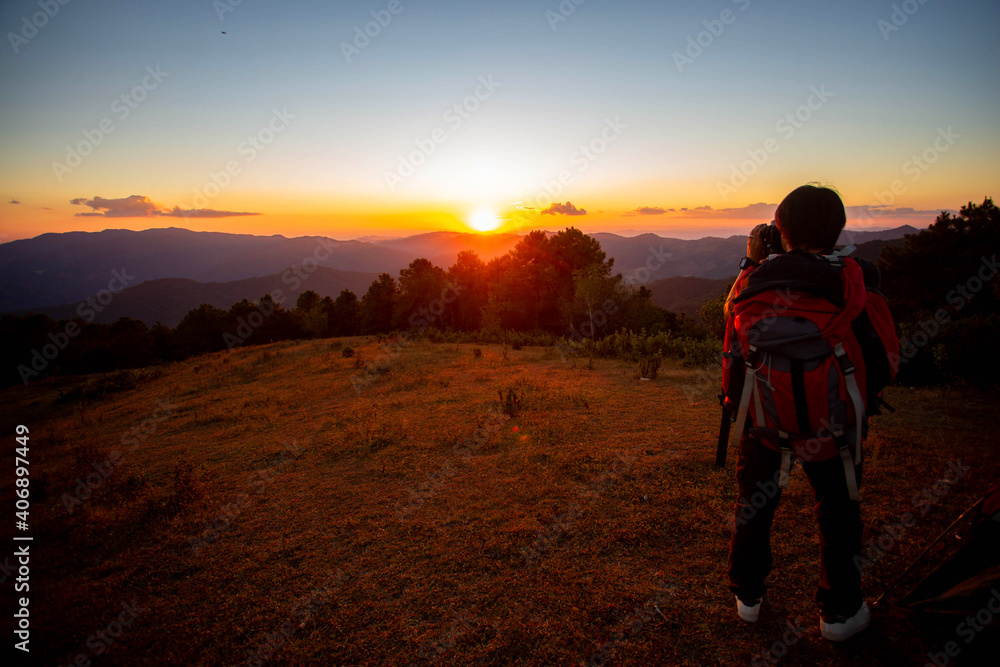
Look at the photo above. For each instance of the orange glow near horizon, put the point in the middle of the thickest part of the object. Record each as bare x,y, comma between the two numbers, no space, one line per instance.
32,220
348,217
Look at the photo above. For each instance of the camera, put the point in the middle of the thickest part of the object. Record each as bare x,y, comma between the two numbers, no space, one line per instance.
771,239
764,240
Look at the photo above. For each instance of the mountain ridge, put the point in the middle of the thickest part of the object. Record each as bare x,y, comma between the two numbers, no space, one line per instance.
54,270
168,300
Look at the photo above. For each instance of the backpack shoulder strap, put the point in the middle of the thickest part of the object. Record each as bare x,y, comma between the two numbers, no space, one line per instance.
738,284
854,392
749,386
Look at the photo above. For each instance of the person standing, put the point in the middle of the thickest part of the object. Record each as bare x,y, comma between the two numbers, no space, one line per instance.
808,343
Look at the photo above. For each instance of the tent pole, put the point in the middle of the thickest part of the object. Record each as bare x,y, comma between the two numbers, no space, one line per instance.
954,523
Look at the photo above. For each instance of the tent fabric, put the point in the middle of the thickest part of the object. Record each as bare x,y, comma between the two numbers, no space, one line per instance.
964,582
991,504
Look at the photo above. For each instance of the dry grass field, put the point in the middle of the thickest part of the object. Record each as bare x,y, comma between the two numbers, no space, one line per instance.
281,505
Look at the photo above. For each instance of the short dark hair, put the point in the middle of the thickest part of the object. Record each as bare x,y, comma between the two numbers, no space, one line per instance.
811,216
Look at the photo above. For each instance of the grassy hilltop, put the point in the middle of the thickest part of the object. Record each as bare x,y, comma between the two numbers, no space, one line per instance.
510,507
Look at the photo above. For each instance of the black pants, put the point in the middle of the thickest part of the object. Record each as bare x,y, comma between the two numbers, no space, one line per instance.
757,470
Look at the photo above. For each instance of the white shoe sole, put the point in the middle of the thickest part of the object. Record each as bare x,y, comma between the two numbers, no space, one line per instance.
838,632
746,612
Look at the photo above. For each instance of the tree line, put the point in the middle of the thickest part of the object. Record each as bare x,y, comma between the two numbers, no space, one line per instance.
942,285
562,285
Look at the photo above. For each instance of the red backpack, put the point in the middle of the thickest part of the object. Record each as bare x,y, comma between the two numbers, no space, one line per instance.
808,349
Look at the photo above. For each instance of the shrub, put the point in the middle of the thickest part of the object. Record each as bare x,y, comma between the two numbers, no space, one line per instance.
110,383
347,352
648,366
635,347
477,353
510,402
695,352
373,430
963,351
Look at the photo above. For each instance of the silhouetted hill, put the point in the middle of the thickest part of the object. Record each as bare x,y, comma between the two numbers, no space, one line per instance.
168,300
859,237
870,250
52,270
442,248
55,269
686,294
710,257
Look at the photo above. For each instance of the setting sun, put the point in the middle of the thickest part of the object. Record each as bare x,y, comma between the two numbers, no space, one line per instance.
484,220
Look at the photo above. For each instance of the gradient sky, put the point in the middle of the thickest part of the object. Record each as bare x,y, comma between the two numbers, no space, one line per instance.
929,88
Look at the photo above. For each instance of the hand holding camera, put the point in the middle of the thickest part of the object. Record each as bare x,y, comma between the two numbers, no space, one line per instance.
764,240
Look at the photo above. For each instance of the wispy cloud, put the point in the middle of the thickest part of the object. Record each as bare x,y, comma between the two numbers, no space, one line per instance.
14,201
878,210
564,209
765,212
758,210
140,206
136,206
647,210
178,212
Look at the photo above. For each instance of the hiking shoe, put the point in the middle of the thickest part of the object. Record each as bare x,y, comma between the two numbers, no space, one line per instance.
841,630
748,612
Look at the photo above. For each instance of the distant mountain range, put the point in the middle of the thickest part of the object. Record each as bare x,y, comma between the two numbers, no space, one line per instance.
56,269
709,257
170,271
168,300
686,294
